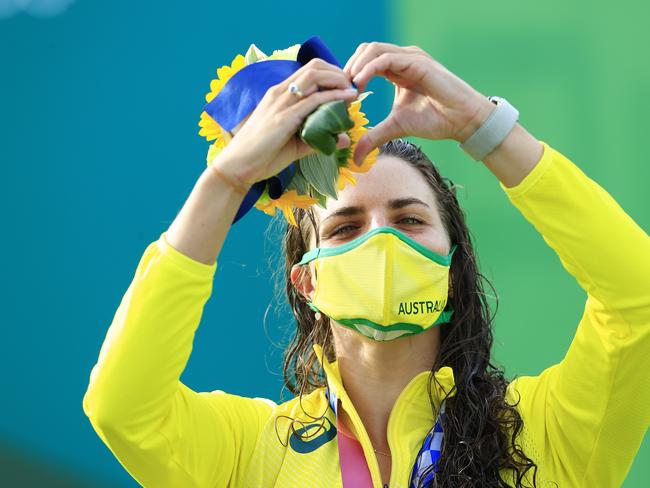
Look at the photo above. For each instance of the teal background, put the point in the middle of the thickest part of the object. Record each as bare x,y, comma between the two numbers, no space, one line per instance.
100,148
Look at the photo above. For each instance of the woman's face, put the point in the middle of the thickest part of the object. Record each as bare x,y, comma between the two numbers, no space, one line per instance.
393,194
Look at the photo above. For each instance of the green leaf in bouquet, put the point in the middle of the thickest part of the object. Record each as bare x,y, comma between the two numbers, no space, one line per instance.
254,54
322,172
321,128
322,199
343,156
298,182
361,97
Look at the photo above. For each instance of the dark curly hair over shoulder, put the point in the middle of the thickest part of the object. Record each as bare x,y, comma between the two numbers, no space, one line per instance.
480,427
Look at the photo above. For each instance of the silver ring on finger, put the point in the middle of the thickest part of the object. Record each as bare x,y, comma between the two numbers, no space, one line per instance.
295,89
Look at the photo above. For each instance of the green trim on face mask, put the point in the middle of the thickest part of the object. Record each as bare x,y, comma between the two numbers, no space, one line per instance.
444,316
320,252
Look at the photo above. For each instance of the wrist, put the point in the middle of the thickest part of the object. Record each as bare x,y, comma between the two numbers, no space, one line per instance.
515,158
231,171
481,112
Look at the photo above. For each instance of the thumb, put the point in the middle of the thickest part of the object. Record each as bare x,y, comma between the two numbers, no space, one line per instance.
383,132
303,149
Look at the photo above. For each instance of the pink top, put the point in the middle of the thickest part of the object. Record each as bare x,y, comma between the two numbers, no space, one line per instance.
354,469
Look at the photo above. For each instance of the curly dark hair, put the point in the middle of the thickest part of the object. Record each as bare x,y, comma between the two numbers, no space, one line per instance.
480,427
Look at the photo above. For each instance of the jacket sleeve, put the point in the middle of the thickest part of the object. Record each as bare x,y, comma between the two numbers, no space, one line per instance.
588,414
161,431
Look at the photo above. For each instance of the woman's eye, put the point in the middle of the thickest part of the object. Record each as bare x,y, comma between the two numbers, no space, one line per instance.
341,229
417,221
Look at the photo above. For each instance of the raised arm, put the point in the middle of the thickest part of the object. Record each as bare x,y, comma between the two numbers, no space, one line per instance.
160,430
586,416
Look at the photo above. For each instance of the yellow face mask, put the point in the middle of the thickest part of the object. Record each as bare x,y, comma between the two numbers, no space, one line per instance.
383,284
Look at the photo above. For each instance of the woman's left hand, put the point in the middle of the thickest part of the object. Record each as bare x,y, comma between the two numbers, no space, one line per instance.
430,101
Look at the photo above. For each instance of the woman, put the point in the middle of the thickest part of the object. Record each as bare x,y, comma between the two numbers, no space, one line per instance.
365,419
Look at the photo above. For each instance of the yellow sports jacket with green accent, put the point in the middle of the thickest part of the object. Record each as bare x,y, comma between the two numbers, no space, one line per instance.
584,418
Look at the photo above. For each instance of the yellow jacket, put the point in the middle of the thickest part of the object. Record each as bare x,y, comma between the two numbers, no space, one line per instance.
584,418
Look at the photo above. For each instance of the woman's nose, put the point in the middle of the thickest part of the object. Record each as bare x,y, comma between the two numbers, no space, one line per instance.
379,220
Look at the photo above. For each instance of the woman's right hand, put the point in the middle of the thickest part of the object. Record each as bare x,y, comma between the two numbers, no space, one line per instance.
266,141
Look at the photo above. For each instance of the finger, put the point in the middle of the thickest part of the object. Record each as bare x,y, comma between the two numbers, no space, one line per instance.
343,141
315,63
403,66
383,132
298,111
310,77
351,60
372,51
304,149
311,81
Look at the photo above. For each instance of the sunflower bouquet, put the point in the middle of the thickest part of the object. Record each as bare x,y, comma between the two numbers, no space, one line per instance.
237,90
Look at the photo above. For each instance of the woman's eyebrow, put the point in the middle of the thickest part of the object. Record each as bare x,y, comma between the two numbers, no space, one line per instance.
344,211
403,202
392,204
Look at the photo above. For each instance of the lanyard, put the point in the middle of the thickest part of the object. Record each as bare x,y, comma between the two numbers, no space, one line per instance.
429,452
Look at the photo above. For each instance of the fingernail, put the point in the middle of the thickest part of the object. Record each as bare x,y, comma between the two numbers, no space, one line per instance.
356,160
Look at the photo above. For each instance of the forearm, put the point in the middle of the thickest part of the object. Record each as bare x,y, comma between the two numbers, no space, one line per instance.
200,228
515,157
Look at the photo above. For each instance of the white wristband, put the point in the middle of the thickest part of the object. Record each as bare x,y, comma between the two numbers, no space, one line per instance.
493,131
